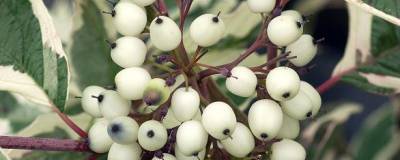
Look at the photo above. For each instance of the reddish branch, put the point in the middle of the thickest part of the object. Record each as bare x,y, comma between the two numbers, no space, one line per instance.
47,144
333,80
70,123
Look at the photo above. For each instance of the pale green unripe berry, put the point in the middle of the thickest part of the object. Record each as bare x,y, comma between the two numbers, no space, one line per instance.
185,103
207,29
156,92
180,156
128,52
99,140
290,128
284,30
125,152
265,119
299,107
152,135
170,120
129,19
294,14
304,49
219,120
123,130
243,81
113,105
261,6
166,156
313,95
165,33
191,138
287,149
143,3
131,82
241,142
283,83
89,103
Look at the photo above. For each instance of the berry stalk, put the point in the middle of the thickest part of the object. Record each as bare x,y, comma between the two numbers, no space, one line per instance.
70,123
333,81
47,144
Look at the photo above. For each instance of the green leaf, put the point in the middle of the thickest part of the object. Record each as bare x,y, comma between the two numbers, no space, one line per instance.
357,80
21,47
46,155
90,54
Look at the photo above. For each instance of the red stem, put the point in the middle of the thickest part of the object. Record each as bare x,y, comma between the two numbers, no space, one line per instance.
70,123
161,7
333,80
47,144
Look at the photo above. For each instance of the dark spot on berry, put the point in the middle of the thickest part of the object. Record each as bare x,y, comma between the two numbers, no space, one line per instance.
99,98
299,24
152,98
226,132
115,128
264,135
150,133
159,20
195,154
286,95
309,114
113,45
215,19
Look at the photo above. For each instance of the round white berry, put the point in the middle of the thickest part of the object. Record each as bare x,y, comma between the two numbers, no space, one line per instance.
313,95
241,143
165,33
166,156
129,19
128,52
143,3
125,152
304,49
113,105
265,119
156,92
290,128
191,138
294,14
185,103
89,101
131,82
243,81
152,135
299,107
283,83
170,120
283,30
179,155
219,120
287,149
261,6
123,130
207,29
99,140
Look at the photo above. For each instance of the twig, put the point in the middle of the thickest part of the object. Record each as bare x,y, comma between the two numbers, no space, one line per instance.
369,9
333,80
70,123
48,144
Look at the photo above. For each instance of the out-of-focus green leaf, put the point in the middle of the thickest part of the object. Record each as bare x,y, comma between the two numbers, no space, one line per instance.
42,155
361,82
90,54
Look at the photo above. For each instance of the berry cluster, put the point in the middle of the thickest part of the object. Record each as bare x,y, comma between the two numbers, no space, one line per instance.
189,123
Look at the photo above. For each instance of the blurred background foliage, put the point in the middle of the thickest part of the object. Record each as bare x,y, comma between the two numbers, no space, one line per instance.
353,124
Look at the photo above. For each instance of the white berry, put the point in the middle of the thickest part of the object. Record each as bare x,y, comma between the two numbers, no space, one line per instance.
299,107
113,105
261,6
165,33
294,14
304,49
170,120
89,103
265,119
290,128
129,19
185,103
283,30
207,29
313,95
99,140
283,83
287,149
241,142
125,152
143,3
191,138
219,120
152,135
131,82
123,130
243,81
180,156
166,156
128,52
